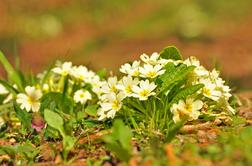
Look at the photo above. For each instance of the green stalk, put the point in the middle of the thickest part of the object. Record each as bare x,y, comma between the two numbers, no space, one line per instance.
11,72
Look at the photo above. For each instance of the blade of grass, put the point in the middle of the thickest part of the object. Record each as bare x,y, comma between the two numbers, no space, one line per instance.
12,73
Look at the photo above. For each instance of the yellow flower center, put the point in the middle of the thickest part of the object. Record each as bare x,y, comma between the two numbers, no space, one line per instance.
81,77
113,89
206,91
188,107
31,100
128,89
82,95
151,74
135,73
115,105
144,93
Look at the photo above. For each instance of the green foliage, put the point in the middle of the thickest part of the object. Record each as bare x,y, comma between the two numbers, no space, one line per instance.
174,75
56,100
92,110
56,121
183,93
25,152
23,116
10,88
13,75
102,73
119,141
171,52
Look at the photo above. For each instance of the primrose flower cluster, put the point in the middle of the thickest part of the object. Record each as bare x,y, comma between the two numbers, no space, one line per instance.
139,85
53,81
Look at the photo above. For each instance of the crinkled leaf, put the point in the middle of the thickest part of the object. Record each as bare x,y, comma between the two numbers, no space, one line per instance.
92,110
174,75
119,142
54,120
183,93
123,133
171,52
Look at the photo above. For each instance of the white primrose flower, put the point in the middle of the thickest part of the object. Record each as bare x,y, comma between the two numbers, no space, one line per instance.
82,96
149,71
30,99
199,70
144,90
82,73
2,122
110,85
9,96
110,106
3,90
153,59
96,84
126,84
189,108
64,70
129,69
220,84
209,90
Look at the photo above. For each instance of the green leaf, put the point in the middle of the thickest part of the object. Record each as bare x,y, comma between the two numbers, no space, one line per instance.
174,130
183,93
23,116
174,75
12,73
119,142
68,142
54,120
10,88
55,100
92,110
171,52
102,73
123,133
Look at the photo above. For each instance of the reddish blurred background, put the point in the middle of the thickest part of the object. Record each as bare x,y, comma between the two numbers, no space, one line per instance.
104,34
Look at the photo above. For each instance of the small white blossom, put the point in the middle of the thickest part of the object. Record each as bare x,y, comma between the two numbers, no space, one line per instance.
209,90
82,96
149,71
199,70
96,84
110,85
3,90
144,90
152,60
132,70
112,105
82,73
64,70
2,122
126,84
30,99
189,108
